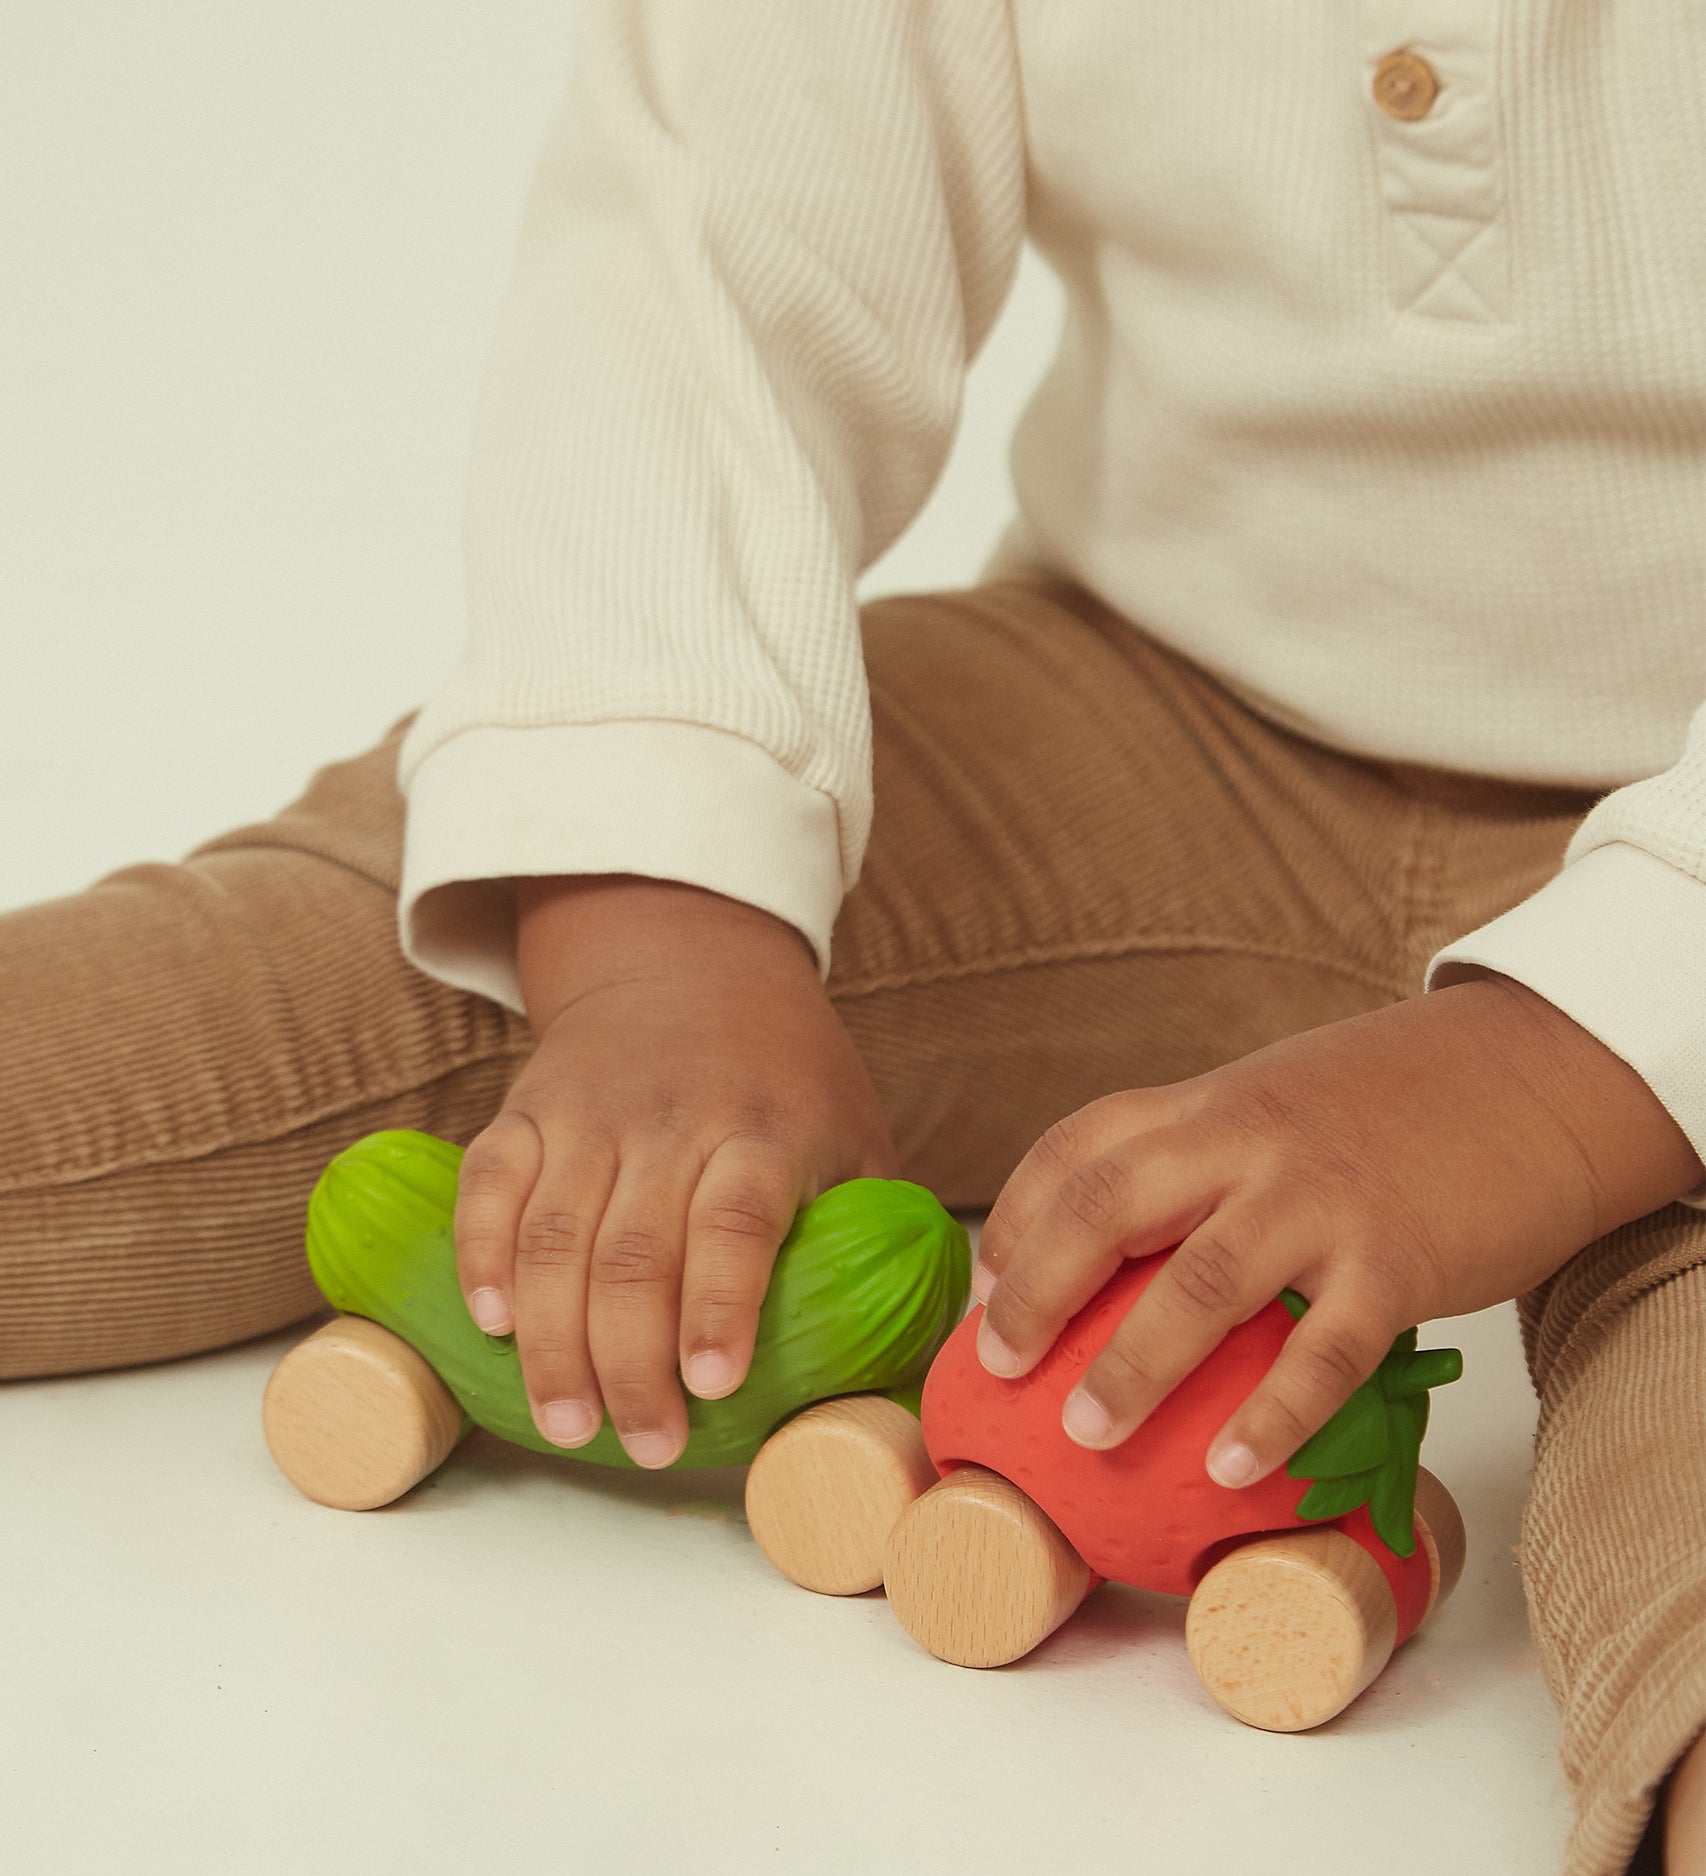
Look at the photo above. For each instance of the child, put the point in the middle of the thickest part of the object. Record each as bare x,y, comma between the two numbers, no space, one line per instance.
1294,845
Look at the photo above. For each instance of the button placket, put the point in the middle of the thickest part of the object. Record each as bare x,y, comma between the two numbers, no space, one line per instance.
1431,100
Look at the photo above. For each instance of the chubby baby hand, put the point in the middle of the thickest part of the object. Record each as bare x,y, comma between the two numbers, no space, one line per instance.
692,1088
1430,1158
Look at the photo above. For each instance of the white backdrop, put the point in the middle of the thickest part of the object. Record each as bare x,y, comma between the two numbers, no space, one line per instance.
251,258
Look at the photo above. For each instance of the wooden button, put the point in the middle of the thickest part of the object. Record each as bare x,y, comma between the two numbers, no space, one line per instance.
1405,86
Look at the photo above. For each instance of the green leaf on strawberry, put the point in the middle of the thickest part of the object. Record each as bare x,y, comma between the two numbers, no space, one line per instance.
1332,1498
1368,1453
1358,1437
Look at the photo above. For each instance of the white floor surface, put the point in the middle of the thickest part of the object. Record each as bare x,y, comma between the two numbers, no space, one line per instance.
531,1664
252,256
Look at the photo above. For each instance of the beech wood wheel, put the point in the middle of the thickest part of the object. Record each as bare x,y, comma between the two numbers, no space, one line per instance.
825,1490
1439,1528
978,1573
1286,1631
355,1417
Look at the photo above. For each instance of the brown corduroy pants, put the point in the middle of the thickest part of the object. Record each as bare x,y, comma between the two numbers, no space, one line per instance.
1091,868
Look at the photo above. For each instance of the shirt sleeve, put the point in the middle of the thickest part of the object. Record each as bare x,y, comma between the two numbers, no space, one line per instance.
762,247
1617,938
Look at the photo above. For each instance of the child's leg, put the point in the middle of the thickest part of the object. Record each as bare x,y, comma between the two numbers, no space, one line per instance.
182,1048
1089,868
1679,1822
1613,1549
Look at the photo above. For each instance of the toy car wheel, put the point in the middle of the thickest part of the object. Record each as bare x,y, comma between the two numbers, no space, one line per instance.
1285,1631
824,1491
1439,1526
355,1417
978,1573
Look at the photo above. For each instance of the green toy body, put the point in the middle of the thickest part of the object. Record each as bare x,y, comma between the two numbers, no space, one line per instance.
867,1286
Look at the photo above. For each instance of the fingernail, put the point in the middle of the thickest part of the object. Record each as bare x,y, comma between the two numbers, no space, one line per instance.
489,1310
995,1355
710,1374
650,1449
982,1281
1085,1420
1232,1466
567,1422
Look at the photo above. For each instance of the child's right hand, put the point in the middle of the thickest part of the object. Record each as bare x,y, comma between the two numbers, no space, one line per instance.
692,1088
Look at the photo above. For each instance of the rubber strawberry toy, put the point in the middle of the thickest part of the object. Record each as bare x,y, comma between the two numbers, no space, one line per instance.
988,1526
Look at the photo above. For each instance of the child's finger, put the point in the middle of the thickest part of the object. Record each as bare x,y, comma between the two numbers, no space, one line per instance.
1329,1354
553,1248
1139,1198
1220,1275
743,1208
633,1310
497,1177
1081,1136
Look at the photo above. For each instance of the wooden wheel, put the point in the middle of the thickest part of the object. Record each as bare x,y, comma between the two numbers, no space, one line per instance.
1286,1631
978,1574
355,1417
1439,1527
825,1489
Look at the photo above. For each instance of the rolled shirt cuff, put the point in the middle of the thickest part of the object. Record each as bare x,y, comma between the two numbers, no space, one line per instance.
663,799
1617,940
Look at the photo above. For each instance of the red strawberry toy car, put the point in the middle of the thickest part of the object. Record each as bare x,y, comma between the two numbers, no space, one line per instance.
988,1526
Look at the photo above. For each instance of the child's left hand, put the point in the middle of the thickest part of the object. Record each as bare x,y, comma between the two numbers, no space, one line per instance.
1429,1158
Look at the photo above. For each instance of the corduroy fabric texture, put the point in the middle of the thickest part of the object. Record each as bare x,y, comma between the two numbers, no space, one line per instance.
1091,868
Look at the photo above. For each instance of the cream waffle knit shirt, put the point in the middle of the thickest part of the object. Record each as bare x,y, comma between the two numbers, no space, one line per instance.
1381,394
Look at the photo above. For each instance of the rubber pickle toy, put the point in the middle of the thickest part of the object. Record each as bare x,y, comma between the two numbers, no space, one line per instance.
882,1453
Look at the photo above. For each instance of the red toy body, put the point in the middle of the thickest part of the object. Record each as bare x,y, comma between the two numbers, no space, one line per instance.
1145,1513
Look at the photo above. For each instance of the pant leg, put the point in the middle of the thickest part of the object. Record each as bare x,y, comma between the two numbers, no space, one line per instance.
1090,868
182,1049
1613,1541
1073,883
1613,1549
